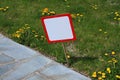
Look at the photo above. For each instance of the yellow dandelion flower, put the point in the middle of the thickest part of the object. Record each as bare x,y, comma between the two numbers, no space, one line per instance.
108,70
99,78
52,12
68,56
94,75
42,36
103,74
1,9
105,32
116,12
118,19
118,76
78,14
7,7
43,13
26,24
95,5
81,15
113,53
4,9
17,32
106,54
99,72
17,35
95,8
79,20
48,13
36,36
28,27
100,29
114,60
21,30
115,18
45,10
73,16
109,61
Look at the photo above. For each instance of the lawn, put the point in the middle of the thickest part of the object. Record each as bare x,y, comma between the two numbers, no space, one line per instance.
95,53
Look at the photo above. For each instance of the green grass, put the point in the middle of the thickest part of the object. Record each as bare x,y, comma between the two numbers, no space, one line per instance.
97,31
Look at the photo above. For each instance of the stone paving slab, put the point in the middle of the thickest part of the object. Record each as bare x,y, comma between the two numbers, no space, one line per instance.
36,77
5,68
15,50
18,62
5,59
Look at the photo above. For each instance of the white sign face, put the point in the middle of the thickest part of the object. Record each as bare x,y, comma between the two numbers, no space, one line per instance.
58,28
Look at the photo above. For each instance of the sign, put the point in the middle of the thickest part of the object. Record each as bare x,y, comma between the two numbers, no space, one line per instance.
58,28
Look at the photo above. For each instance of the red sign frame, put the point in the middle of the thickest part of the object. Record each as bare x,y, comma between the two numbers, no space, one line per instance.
55,16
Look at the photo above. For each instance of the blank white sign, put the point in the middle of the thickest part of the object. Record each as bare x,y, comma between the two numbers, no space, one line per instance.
58,28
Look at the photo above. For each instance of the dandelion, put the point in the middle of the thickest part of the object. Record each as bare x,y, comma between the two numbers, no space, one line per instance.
26,24
103,74
115,18
1,9
113,53
116,12
17,32
118,19
7,7
94,75
68,56
106,54
105,32
45,10
94,7
20,31
99,72
48,13
42,36
36,36
52,12
81,15
100,29
114,60
78,14
78,20
108,70
17,35
43,13
73,16
99,78
109,61
4,9
28,27
117,76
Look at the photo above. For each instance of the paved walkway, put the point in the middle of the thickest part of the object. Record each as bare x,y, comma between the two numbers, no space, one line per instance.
18,62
